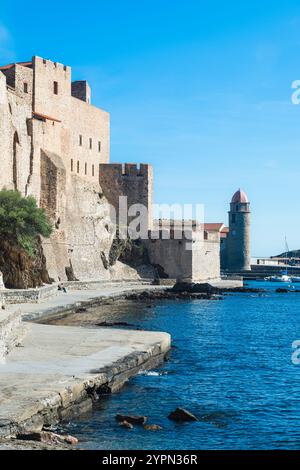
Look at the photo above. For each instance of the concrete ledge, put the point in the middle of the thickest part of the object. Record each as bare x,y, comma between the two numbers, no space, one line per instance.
12,330
58,369
23,296
20,296
92,285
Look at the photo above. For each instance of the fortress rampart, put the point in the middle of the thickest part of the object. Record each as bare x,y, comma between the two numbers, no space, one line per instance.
55,145
130,180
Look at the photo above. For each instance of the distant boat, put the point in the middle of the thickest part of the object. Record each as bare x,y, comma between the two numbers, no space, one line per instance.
284,276
295,278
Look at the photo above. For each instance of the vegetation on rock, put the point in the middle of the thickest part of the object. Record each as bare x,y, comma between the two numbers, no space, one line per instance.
21,221
22,260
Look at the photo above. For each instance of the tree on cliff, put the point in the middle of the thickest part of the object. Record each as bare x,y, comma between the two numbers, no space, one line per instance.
21,221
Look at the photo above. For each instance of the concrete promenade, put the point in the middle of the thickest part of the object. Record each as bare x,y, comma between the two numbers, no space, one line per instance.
56,370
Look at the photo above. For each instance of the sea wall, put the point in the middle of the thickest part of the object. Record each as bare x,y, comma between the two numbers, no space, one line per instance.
12,330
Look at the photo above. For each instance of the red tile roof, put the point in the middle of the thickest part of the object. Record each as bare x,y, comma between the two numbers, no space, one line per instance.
240,196
214,227
9,66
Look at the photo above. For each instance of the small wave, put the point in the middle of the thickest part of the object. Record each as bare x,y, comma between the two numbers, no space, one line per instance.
150,373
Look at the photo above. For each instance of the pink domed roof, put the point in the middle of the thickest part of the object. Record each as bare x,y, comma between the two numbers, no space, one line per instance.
239,196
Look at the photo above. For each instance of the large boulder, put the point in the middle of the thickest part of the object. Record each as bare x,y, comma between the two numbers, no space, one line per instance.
195,288
181,415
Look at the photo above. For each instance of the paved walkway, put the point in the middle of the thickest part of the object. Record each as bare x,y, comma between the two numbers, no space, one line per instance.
56,364
75,298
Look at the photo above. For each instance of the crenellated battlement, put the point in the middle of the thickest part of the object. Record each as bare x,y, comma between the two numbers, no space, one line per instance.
172,234
118,170
130,180
50,65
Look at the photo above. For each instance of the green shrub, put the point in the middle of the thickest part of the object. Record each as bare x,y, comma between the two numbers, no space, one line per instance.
21,220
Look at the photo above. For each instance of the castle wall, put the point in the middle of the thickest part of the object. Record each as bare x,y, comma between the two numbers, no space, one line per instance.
55,146
46,139
92,123
15,138
85,130
190,259
83,230
135,182
171,257
81,90
5,137
45,100
206,260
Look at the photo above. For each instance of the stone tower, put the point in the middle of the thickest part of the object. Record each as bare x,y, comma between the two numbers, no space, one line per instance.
238,239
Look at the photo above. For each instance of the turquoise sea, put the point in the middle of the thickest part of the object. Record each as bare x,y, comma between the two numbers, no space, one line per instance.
230,365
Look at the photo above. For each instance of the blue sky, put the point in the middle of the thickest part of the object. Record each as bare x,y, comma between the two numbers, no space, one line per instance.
200,89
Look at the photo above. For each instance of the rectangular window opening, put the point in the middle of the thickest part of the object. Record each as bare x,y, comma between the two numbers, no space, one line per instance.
55,88
25,87
77,166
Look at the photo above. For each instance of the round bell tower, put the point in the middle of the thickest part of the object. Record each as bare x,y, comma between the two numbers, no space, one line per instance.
238,239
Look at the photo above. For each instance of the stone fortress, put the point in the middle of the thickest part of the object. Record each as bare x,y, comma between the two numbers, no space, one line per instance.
55,146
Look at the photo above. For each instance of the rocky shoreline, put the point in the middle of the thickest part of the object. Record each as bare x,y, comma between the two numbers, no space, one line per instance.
108,379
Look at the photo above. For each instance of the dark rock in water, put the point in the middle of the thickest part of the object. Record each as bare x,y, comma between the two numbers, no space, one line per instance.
169,294
127,425
181,415
152,427
282,290
116,323
208,289
194,288
132,419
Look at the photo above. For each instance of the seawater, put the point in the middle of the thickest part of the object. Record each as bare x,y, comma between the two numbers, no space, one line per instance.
231,366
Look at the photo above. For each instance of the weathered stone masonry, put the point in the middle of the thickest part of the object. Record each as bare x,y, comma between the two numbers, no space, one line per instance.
55,145
53,142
